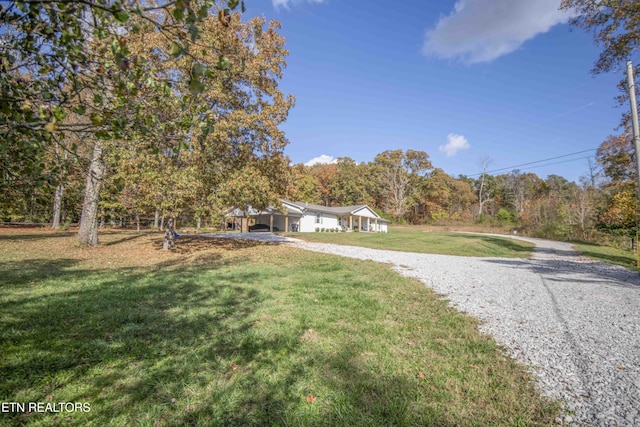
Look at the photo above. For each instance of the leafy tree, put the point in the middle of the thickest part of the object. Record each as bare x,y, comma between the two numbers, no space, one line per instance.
443,197
304,185
353,183
400,173
325,175
63,57
616,28
616,157
518,188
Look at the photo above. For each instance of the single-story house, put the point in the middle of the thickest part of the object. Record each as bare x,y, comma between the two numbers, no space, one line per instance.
306,217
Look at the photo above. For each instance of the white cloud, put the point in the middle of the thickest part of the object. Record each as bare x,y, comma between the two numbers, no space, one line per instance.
483,30
285,3
455,143
321,160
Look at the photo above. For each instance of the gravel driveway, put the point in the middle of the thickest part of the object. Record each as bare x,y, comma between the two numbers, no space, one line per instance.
574,321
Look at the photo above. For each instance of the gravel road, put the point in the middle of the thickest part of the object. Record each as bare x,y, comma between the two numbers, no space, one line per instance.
574,321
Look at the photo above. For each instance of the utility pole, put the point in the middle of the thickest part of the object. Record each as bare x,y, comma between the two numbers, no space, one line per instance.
636,136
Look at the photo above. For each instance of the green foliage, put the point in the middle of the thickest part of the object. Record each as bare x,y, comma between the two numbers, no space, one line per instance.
504,216
257,335
104,70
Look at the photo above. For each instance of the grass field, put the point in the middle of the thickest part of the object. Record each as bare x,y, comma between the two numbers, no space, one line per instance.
233,333
608,254
422,240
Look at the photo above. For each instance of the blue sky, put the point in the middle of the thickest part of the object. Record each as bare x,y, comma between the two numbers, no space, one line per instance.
462,80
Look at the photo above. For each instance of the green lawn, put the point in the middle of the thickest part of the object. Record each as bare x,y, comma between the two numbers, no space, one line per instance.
415,239
235,333
608,254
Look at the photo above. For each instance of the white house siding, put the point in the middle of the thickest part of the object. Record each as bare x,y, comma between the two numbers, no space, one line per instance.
305,217
308,222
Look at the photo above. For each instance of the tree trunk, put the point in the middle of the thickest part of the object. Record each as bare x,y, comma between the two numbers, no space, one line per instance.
198,223
162,222
57,206
156,218
169,238
137,222
88,233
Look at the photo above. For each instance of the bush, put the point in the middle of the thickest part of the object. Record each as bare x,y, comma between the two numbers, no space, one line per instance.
504,216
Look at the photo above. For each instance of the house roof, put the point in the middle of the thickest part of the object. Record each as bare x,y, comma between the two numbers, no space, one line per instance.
300,208
338,210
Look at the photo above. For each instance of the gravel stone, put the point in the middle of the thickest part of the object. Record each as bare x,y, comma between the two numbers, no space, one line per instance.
573,321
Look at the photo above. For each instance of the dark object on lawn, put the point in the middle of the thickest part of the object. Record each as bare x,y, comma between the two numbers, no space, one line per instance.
261,227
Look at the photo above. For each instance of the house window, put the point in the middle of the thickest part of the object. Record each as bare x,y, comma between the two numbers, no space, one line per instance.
318,218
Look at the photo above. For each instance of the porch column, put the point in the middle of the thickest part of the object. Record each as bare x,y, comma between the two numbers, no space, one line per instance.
360,222
286,223
271,223
351,222
377,228
368,223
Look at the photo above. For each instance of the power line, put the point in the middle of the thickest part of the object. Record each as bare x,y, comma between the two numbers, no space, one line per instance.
538,161
558,163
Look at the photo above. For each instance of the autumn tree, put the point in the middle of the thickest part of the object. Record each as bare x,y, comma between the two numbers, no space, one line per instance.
354,183
399,175
616,157
60,57
305,187
443,197
325,175
616,29
218,140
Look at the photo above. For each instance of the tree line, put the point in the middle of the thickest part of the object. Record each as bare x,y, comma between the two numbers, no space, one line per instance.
402,186
118,111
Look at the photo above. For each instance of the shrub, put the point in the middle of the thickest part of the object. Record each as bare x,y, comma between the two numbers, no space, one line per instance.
504,216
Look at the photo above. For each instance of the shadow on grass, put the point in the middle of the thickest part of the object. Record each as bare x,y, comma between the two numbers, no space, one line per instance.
39,236
124,239
143,347
91,331
566,269
491,242
612,259
602,253
181,345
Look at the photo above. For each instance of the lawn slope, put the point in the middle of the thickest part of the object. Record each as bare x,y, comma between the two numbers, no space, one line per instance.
420,240
233,333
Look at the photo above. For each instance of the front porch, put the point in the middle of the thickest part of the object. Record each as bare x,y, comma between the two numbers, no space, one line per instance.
361,223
